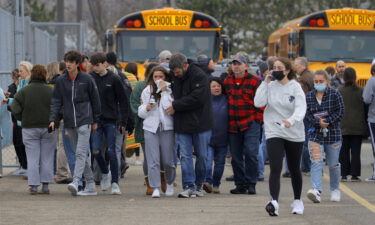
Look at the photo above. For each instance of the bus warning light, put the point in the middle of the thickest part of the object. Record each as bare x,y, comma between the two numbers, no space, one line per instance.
129,23
198,23
320,22
206,24
137,23
312,22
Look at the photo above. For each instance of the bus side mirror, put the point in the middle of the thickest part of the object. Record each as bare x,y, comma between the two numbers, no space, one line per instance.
108,40
225,43
293,38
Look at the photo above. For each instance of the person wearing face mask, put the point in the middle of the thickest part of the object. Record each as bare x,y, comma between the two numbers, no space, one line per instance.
285,105
325,110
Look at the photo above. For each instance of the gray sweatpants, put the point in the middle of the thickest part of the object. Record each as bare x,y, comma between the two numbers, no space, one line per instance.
160,149
40,149
80,137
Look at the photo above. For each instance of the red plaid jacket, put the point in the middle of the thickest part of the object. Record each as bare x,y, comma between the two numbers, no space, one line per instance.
241,107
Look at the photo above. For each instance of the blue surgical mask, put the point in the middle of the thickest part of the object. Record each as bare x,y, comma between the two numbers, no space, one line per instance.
320,87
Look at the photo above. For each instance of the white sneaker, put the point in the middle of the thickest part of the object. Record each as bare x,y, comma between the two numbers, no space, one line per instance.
89,190
298,207
73,188
272,208
335,195
106,181
20,172
115,189
314,195
138,163
156,193
169,191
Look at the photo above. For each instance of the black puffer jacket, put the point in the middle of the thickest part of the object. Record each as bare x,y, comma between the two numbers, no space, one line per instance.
79,98
192,101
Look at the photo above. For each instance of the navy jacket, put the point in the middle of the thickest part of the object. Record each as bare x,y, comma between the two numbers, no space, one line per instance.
79,99
219,136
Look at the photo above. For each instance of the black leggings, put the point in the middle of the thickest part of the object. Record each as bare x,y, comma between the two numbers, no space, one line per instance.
293,151
19,147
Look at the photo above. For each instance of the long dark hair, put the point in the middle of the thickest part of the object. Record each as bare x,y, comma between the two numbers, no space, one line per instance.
350,77
288,66
219,81
132,68
150,81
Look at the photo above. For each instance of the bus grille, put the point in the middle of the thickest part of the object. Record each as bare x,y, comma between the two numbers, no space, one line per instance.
362,82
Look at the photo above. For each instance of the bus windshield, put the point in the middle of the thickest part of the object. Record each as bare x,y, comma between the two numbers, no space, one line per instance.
138,46
330,45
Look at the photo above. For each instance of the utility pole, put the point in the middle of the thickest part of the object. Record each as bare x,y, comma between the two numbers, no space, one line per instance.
60,30
79,19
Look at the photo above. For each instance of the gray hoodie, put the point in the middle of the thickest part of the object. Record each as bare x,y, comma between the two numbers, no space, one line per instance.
368,98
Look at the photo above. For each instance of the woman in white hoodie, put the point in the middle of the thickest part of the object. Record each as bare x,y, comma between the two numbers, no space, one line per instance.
285,109
156,97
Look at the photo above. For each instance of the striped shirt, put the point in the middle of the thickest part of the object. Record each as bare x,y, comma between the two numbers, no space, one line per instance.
331,109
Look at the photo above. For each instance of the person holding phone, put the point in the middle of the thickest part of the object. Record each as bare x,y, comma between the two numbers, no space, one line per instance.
285,109
31,105
156,97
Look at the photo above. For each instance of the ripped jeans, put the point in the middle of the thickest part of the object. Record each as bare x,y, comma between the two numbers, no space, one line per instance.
332,152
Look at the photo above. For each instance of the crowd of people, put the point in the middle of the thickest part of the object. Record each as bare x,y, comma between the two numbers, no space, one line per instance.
75,116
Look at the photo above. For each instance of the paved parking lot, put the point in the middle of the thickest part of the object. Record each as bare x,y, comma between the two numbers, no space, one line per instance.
133,207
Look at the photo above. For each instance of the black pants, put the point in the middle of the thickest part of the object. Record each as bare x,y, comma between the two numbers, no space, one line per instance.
19,146
350,155
276,148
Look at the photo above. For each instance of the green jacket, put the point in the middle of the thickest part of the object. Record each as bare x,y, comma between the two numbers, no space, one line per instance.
32,103
135,102
354,121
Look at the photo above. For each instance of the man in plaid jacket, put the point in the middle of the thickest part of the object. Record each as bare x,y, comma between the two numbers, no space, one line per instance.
244,125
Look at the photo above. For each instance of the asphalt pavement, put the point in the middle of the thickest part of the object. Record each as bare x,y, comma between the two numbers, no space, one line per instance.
18,207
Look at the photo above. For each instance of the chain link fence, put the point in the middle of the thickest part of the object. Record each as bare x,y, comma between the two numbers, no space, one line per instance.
19,40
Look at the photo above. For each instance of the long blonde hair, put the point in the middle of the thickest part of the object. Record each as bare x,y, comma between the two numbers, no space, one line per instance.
52,70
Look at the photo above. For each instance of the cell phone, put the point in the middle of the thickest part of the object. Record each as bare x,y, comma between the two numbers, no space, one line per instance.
50,130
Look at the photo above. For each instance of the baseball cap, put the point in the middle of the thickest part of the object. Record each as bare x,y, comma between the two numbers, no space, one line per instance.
165,54
239,58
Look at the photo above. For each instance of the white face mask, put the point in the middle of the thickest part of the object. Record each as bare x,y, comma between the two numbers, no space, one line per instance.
157,82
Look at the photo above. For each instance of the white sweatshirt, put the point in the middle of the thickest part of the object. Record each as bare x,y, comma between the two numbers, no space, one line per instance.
283,102
157,115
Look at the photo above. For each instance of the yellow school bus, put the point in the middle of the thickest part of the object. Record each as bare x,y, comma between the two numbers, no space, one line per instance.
328,36
142,35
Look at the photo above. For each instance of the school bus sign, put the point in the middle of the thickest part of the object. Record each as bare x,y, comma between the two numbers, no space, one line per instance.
346,19
155,20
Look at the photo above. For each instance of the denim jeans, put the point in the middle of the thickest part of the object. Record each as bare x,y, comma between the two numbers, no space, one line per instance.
305,161
244,147
215,154
69,150
107,129
332,152
193,179
262,155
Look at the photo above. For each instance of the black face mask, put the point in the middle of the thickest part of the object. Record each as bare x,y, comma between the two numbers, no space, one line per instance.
278,75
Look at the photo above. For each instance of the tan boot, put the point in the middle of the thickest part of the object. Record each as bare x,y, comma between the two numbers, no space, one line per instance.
148,188
163,182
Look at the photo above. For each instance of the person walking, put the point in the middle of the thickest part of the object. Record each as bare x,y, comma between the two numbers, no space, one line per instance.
243,126
135,102
77,95
156,97
285,109
368,98
218,145
31,106
325,110
192,119
353,127
114,105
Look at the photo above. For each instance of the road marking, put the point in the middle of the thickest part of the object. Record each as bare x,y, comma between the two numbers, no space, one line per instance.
354,196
